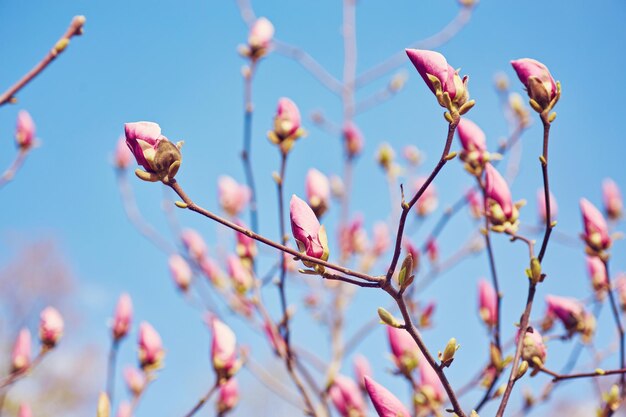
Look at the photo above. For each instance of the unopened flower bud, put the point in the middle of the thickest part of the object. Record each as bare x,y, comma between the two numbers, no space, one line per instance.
104,406
443,80
50,327
21,354
385,403
151,351
385,156
310,237
347,398
353,140
612,197
194,244
228,396
317,189
135,380
181,272
154,152
540,86
122,317
596,234
123,156
223,350
286,125
24,131
448,353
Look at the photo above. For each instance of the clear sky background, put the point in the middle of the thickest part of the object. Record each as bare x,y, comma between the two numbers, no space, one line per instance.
176,63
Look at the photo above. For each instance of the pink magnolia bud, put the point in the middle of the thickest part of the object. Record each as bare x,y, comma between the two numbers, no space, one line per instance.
541,206
415,253
241,276
50,327
430,385
223,349
432,250
353,140
426,314
533,346
572,314
537,79
596,230
612,197
122,317
123,156
385,403
287,119
232,196
487,303
24,411
412,155
404,350
24,131
474,144
429,201
246,246
309,235
151,351
135,380
362,369
180,271
475,202
261,34
21,354
502,211
346,396
228,396
124,410
212,271
439,76
597,274
143,139
194,244
317,189
352,237
381,238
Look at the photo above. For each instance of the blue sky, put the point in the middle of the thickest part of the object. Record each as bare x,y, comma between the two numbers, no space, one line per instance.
176,63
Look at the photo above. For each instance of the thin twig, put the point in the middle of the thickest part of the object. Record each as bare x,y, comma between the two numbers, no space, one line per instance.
75,28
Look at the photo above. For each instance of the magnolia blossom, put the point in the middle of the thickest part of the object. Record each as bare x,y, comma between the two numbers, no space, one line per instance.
596,233
440,77
194,244
21,354
143,139
353,237
426,314
432,250
24,411
24,131
429,201
309,235
135,380
241,276
317,189
533,346
385,403
404,350
287,119
362,369
223,349
212,271
151,351
124,410
228,396
598,276
475,203
474,144
180,271
537,79
232,196
123,156
487,303
50,326
572,314
122,317
381,238
612,197
261,34
430,385
502,211
346,396
541,206
246,246
353,140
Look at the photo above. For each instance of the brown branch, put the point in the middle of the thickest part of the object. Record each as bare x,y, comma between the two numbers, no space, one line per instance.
75,28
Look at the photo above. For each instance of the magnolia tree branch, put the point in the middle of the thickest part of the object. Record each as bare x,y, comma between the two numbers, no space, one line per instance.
75,29
247,144
619,326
